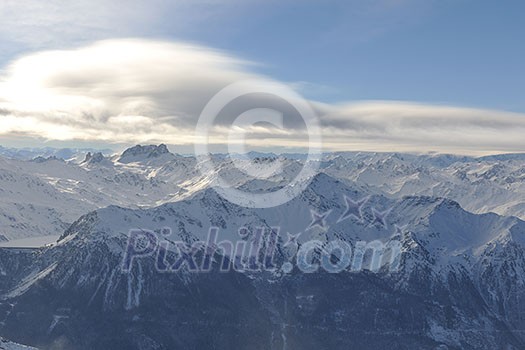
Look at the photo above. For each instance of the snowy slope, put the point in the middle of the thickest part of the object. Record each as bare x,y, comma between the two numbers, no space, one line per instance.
459,283
42,197
480,185
7,345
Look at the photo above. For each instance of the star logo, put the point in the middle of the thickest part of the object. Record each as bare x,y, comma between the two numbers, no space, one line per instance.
292,239
401,231
354,208
380,217
318,219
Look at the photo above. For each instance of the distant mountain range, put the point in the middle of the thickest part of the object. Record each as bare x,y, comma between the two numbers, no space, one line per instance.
44,196
29,153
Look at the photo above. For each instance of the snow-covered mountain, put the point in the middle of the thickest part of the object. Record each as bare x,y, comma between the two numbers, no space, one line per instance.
481,185
456,221
45,195
458,285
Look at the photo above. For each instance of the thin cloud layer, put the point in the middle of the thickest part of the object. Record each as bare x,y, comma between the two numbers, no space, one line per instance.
60,23
408,126
130,91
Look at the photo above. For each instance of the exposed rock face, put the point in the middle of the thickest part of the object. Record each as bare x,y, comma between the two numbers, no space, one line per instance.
143,152
97,157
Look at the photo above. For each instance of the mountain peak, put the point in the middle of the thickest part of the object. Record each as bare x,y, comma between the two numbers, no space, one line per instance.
140,152
93,158
41,159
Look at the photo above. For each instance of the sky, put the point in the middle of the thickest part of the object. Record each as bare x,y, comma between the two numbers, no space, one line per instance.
404,75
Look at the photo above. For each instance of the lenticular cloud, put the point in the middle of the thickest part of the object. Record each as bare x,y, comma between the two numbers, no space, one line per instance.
135,90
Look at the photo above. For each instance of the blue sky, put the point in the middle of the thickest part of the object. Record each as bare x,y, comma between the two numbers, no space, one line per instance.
459,53
463,52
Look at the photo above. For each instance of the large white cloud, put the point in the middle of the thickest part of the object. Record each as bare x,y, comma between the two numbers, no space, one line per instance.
120,90
131,90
